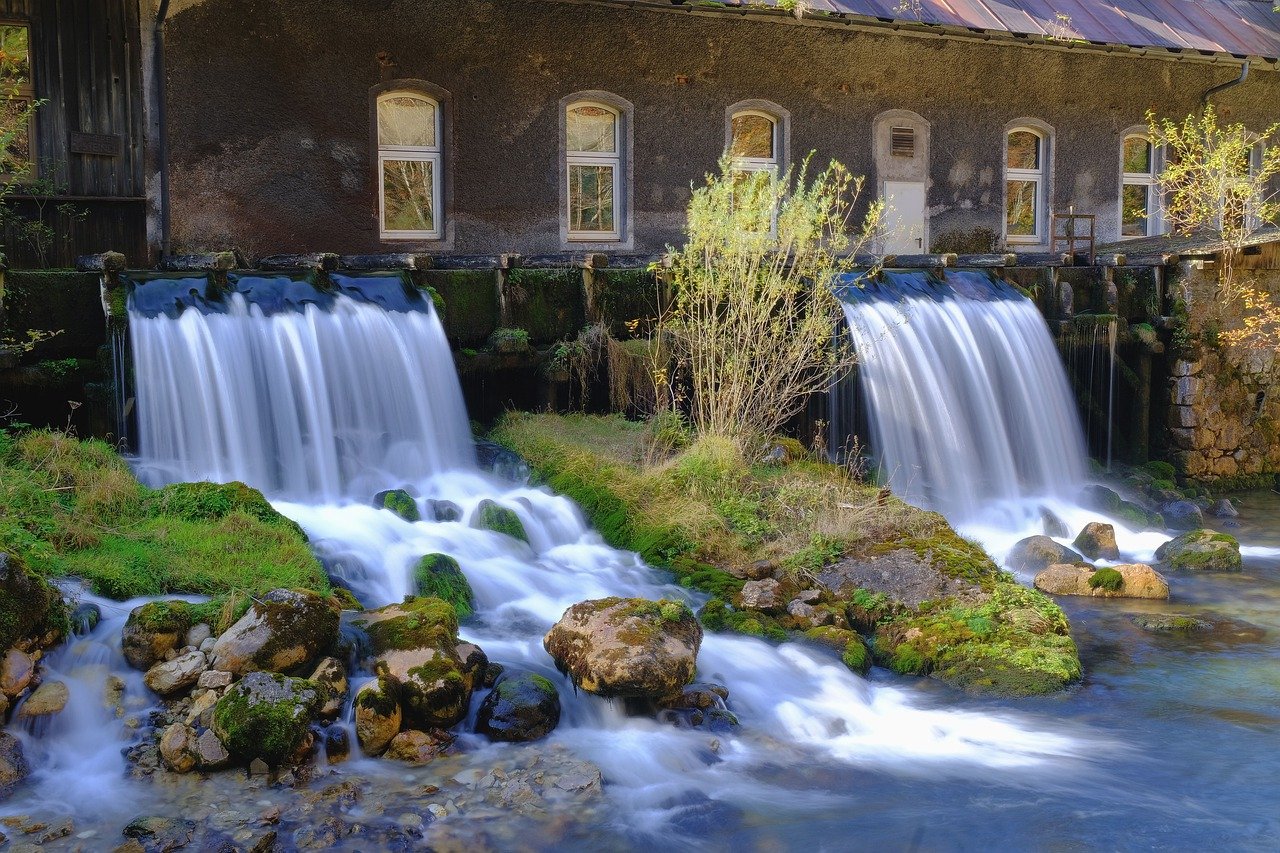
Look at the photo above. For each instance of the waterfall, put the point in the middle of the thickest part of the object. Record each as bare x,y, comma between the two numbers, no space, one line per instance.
326,396
963,390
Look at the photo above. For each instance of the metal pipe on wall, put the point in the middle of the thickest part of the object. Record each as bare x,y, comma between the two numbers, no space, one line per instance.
162,142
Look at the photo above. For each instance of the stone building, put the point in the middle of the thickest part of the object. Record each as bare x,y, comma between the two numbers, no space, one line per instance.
545,126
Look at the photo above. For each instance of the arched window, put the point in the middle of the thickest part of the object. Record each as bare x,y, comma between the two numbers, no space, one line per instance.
593,170
754,141
1025,185
1139,204
410,175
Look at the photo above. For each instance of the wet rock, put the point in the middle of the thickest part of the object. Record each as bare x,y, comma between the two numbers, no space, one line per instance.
284,629
1097,541
16,671
759,570
13,764
210,753
177,675
1224,508
214,679
475,666
766,594
161,833
1170,623
444,511
1036,553
416,644
1201,550
416,747
113,695
1125,581
267,716
1182,515
627,646
337,744
48,699
201,711
521,707
440,576
178,748
499,519
333,676
398,501
501,461
85,618
1105,500
377,714
197,635
853,650
153,630
1052,524
29,603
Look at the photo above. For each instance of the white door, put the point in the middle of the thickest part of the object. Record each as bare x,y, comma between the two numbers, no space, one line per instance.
903,223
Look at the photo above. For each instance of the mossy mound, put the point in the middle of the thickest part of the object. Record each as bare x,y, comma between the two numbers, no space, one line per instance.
853,650
71,507
30,607
417,623
500,519
716,615
400,502
266,715
440,576
1108,579
1201,550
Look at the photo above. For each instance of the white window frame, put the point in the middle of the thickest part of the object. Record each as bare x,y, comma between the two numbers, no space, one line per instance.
756,164
1142,179
433,154
1037,176
611,159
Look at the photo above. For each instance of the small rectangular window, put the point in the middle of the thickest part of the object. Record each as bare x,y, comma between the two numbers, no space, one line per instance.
902,142
593,171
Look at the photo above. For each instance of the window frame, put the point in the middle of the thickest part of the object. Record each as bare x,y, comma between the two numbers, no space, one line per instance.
619,161
1039,176
1149,179
25,92
433,154
756,164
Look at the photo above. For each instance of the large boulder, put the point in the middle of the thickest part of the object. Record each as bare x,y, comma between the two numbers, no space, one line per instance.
1182,515
13,764
266,716
153,630
1097,541
1126,581
627,647
521,707
1106,500
177,675
284,629
415,643
1036,553
1203,550
440,576
377,713
30,608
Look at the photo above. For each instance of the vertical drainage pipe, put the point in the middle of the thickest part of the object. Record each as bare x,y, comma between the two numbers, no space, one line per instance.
162,137
1209,93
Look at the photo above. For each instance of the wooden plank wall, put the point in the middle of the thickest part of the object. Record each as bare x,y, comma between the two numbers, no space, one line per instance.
86,64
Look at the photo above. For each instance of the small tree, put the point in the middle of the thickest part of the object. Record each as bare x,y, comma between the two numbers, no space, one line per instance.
1213,182
753,318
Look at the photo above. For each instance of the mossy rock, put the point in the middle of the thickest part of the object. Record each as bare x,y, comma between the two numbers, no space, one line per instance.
440,576
154,629
521,707
416,643
1036,553
400,502
853,650
376,708
500,519
266,715
1201,550
1108,579
717,615
1160,470
30,607
283,630
416,623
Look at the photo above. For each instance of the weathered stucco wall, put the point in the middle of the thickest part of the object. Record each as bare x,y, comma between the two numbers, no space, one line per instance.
1224,413
272,149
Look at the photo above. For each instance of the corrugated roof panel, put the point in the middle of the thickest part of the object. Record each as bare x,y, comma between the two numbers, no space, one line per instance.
1238,27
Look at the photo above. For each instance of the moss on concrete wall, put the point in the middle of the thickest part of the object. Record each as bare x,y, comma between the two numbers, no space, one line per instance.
548,304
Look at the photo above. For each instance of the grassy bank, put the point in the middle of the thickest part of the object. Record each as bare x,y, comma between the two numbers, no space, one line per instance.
73,508
700,510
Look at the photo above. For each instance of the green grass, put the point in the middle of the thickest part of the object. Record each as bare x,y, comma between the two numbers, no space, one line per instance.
72,508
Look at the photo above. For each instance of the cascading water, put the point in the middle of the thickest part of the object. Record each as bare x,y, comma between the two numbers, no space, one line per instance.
965,395
322,401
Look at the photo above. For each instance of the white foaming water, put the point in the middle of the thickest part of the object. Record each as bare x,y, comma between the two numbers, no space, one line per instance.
310,404
321,409
966,397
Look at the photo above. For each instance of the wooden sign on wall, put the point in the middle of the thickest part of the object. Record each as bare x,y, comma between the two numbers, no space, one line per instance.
97,144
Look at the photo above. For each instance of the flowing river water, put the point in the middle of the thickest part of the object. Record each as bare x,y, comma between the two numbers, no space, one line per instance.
1170,741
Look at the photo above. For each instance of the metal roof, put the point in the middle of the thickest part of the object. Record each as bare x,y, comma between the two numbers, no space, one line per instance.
1241,28
1201,242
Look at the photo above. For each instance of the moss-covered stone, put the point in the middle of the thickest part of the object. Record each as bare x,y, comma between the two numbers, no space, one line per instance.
1108,579
1201,550
620,297
548,304
716,615
417,623
440,576
853,650
283,630
521,707
266,715
154,629
416,644
500,519
471,303
400,502
30,607
377,714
